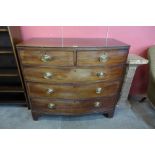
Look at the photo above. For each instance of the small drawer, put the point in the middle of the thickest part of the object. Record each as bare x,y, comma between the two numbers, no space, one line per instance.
73,75
39,56
71,107
73,91
100,58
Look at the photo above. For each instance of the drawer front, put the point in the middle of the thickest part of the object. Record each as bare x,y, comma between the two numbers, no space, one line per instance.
73,92
72,107
71,75
48,57
100,58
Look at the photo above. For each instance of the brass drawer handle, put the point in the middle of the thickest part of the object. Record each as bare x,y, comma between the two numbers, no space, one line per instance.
47,75
98,90
100,74
50,91
46,58
97,104
51,105
103,58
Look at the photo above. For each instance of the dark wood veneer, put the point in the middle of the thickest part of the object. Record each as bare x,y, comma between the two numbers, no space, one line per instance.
74,66
71,107
73,91
74,43
70,75
33,57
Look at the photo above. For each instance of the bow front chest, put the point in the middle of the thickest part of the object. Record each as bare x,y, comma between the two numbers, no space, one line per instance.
72,76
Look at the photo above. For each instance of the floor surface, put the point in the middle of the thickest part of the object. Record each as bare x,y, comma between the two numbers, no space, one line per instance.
138,116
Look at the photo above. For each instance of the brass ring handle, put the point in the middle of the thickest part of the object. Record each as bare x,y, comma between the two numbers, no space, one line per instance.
97,104
51,105
50,91
46,58
98,90
100,74
103,58
47,75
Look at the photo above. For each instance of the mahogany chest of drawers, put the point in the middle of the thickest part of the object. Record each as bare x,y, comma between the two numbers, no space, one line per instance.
73,76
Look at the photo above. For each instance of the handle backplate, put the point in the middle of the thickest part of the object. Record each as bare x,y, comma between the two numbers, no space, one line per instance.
47,75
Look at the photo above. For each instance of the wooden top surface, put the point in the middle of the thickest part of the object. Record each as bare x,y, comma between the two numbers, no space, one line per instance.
72,42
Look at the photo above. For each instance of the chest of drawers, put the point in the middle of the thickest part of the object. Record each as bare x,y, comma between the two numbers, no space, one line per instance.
73,76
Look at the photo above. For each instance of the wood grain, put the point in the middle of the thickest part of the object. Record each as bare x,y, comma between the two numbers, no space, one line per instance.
71,107
91,58
34,56
74,42
74,70
72,91
73,75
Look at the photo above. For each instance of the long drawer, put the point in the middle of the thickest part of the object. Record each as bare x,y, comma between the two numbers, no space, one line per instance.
72,91
39,56
72,107
72,75
100,58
